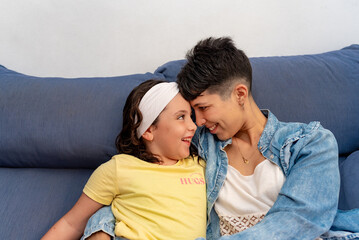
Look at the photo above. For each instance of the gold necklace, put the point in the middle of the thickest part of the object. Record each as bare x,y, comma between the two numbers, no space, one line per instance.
245,160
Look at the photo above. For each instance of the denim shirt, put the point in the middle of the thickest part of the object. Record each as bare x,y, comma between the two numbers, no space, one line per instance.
306,206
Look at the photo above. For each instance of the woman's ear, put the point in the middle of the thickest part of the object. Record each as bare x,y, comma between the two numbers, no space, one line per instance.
241,93
148,134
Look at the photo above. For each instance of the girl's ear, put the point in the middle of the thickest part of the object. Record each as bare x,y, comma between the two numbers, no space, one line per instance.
148,134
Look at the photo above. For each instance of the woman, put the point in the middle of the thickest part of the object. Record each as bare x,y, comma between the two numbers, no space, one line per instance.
265,179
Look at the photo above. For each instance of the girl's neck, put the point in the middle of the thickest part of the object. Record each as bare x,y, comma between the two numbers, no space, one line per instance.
168,162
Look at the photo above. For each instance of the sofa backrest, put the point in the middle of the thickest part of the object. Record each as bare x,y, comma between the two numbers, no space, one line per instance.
73,123
319,87
61,122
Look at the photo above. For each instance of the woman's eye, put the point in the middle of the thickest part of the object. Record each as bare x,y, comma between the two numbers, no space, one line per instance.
181,117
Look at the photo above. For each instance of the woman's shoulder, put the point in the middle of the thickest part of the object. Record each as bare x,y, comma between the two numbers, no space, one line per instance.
293,131
283,132
299,137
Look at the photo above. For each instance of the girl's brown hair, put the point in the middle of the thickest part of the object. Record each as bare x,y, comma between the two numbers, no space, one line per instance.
127,141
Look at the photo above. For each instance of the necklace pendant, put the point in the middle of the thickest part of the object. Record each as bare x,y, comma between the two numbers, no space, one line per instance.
245,160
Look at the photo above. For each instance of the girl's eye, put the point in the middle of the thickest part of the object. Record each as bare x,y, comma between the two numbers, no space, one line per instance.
181,117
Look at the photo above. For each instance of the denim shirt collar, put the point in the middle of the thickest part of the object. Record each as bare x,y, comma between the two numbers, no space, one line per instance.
269,130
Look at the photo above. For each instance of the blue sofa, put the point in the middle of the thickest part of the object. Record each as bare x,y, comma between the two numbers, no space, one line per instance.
55,131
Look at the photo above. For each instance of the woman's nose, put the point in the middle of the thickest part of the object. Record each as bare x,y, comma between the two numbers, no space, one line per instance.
199,119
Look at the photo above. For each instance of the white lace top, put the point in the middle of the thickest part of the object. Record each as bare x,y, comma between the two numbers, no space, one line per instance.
243,201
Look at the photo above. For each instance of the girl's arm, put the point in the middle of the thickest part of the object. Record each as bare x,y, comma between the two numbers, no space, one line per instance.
72,225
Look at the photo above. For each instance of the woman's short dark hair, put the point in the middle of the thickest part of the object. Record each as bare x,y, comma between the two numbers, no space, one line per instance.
214,64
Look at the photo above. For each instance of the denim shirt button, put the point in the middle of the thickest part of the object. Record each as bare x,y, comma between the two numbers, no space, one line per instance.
271,156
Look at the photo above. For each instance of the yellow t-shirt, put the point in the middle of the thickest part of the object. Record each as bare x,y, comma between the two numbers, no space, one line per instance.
152,201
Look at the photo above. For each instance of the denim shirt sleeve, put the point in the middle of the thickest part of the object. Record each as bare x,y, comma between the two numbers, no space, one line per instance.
307,203
197,139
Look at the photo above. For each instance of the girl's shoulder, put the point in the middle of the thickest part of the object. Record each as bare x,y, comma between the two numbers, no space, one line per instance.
124,159
193,160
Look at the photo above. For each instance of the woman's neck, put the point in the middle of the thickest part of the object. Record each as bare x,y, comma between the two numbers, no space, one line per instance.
254,124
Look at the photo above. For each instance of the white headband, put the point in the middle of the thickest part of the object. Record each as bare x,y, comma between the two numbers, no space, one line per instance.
153,102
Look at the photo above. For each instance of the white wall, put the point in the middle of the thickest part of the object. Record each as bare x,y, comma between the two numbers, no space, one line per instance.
74,38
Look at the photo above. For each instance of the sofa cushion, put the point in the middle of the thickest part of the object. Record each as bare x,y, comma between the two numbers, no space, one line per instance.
319,87
349,190
61,122
32,200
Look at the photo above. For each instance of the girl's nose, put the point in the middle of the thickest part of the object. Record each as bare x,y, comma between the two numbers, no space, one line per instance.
192,126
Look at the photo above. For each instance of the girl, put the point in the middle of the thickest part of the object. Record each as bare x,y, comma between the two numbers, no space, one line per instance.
155,189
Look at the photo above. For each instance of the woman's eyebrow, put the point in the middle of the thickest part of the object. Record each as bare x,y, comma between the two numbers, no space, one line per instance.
197,104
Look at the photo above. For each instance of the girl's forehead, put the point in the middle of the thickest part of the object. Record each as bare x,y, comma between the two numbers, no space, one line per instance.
178,103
